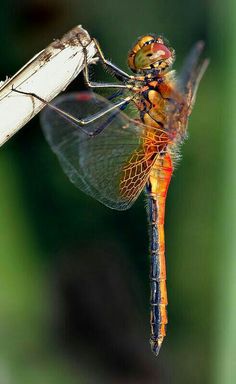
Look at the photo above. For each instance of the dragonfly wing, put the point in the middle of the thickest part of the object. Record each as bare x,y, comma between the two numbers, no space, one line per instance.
184,92
95,164
191,74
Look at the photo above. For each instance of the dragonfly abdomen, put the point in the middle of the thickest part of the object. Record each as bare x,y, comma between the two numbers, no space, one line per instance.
157,187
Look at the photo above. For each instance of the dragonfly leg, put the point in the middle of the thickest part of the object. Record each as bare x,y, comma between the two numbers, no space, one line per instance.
79,123
117,72
92,84
112,68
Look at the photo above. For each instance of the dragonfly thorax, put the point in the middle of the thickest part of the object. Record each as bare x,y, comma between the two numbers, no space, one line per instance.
150,52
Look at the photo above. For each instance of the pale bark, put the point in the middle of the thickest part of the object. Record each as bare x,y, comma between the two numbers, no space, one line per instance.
46,74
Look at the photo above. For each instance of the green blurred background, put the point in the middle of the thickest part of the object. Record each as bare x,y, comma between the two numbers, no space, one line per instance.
74,287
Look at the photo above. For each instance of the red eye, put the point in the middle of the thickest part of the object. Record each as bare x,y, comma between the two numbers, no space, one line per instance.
162,48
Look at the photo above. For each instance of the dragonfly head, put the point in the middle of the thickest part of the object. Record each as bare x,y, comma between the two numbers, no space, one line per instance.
149,53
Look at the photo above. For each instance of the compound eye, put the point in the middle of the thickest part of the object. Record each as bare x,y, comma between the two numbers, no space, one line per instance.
161,51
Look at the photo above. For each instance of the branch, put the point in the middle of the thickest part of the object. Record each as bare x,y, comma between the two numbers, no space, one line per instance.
46,74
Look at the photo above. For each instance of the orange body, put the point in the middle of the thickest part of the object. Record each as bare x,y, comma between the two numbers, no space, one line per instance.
153,158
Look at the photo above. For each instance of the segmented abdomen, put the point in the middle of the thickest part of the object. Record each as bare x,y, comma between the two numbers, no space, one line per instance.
157,188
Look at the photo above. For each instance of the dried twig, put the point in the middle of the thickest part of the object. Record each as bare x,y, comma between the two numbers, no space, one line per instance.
46,74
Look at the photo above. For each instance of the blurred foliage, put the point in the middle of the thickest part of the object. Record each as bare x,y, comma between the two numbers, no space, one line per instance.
74,287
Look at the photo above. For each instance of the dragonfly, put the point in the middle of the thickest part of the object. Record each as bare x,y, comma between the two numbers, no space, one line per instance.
114,148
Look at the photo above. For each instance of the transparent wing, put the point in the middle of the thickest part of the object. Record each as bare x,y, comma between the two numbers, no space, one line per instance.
191,73
184,91
98,165
114,165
